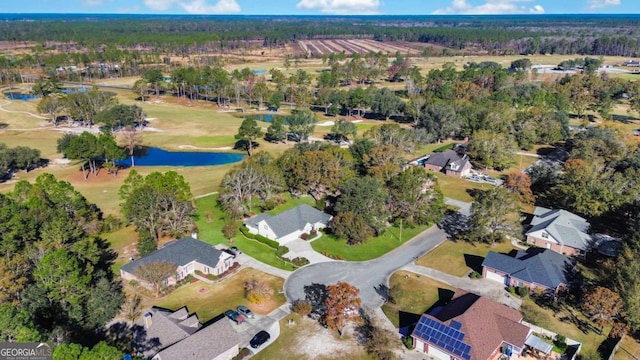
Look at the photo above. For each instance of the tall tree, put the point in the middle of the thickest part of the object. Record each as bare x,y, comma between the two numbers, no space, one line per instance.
258,291
131,140
495,216
342,130
365,196
343,305
141,88
386,103
301,123
248,132
154,78
603,305
519,183
155,274
51,105
277,131
491,149
414,197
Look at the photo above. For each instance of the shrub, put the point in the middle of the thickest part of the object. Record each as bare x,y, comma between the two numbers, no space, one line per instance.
332,256
271,243
475,275
560,342
212,277
313,232
230,270
523,291
242,354
198,272
304,236
133,283
300,261
408,342
281,250
302,307
512,290
111,224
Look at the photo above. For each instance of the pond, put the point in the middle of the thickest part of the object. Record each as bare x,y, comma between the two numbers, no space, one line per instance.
151,156
268,118
27,96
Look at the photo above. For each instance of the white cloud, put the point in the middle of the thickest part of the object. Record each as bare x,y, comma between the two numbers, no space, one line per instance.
493,7
195,6
346,7
597,4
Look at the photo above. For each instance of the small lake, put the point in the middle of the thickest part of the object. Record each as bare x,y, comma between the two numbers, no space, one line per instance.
268,118
12,95
158,157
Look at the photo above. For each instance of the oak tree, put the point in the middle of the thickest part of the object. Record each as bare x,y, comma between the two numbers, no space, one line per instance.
343,305
155,273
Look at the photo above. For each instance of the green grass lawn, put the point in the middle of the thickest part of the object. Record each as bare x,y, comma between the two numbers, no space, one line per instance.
459,188
210,300
373,248
454,257
414,295
211,219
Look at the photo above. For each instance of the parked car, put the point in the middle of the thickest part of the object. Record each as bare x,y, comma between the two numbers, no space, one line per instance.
260,338
235,250
234,316
244,311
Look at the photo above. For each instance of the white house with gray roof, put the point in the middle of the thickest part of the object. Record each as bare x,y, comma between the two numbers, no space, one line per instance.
188,254
559,230
289,224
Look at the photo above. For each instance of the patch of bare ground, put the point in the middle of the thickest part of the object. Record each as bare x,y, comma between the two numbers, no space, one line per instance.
315,342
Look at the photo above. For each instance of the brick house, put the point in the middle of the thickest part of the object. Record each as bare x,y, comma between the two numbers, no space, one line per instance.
188,254
470,327
454,162
559,230
536,269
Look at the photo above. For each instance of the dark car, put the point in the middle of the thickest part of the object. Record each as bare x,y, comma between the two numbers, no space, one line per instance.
235,250
234,316
243,310
259,339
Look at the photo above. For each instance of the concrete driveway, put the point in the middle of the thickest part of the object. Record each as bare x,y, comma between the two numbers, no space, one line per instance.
366,275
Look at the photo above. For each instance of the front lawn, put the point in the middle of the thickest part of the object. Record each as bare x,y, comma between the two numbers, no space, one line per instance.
459,257
211,300
459,188
211,219
373,248
414,294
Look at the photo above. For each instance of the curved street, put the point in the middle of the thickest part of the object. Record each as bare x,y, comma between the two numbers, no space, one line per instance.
366,275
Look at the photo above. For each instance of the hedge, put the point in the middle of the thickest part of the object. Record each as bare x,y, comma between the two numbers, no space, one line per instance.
270,243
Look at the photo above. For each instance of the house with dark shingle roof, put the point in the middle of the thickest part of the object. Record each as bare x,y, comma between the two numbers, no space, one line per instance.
180,335
289,224
454,162
188,254
536,269
559,230
470,327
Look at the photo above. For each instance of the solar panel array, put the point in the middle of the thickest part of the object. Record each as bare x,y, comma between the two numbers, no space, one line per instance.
443,336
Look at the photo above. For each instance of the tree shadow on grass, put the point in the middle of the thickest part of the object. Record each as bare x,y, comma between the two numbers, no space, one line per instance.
474,262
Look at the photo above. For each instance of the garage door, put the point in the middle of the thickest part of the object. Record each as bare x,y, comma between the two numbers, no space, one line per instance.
438,354
496,277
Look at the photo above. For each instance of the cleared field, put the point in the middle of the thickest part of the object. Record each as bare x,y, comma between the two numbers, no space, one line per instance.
350,46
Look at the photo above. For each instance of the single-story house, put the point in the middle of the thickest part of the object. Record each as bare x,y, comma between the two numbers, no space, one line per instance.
188,254
470,327
631,63
536,269
559,230
180,335
289,224
454,162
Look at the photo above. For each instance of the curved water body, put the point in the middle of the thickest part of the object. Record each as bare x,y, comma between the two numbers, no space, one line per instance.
158,157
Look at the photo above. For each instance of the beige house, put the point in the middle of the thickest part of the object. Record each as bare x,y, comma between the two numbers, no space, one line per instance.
559,230
188,254
289,224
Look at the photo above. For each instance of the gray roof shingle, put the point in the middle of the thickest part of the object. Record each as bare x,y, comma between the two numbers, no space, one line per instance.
290,220
445,159
569,229
180,252
205,344
167,328
545,267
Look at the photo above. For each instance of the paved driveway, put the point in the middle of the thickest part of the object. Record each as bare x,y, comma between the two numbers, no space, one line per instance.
364,275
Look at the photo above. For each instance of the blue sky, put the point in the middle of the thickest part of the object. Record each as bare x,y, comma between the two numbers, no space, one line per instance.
311,7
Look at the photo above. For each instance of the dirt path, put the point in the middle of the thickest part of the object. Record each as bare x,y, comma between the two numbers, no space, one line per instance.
7,102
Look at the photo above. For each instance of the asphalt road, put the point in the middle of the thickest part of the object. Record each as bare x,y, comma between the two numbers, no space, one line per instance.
366,275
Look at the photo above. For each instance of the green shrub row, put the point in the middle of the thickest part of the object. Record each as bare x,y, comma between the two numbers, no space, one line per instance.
270,243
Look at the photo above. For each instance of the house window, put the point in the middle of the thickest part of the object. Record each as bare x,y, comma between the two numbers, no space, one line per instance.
206,269
545,235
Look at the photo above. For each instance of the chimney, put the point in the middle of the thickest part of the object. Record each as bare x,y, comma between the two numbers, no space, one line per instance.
148,320
194,234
